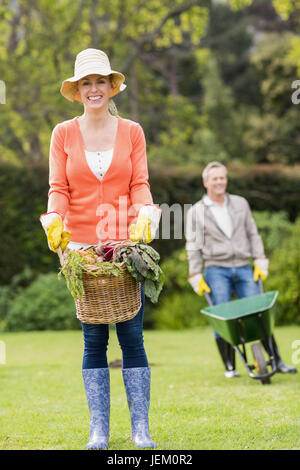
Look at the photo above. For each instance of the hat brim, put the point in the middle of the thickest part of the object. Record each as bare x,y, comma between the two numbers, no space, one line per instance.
69,86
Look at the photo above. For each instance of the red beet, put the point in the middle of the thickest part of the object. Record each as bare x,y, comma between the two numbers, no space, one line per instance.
107,252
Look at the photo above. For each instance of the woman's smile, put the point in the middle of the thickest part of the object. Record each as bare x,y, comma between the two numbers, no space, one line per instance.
94,98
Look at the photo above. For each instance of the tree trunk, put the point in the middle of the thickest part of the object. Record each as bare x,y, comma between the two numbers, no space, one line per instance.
133,94
174,76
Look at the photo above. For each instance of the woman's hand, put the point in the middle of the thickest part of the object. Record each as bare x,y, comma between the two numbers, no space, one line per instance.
54,229
147,224
141,230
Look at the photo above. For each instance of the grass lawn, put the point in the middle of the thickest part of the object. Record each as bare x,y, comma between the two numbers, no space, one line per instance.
43,405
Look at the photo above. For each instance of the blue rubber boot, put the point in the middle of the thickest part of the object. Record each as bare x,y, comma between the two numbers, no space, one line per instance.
97,389
137,386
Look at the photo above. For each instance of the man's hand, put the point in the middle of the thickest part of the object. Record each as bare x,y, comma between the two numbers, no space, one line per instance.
198,284
203,287
54,229
260,269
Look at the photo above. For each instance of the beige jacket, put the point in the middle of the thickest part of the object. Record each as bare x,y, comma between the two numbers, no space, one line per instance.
206,242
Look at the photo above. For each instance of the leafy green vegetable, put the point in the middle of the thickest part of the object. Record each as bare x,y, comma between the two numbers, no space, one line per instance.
75,265
142,263
140,259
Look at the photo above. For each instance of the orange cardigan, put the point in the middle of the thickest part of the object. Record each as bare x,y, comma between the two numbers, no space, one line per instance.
93,209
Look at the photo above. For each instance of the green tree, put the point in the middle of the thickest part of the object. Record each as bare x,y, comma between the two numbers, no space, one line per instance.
222,115
285,276
32,64
274,128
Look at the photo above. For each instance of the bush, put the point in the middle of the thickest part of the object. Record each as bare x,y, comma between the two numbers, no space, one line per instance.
23,197
24,189
5,300
45,304
273,227
178,311
178,306
284,276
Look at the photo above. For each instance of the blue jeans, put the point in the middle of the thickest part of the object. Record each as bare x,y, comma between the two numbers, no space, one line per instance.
130,336
223,282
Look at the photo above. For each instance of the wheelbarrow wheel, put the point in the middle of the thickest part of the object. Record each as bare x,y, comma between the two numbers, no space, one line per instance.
260,362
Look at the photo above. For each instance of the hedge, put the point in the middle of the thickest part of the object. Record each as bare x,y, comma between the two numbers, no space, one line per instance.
47,304
23,197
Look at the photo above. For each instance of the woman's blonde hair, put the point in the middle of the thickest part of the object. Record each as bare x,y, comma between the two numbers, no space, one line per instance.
112,108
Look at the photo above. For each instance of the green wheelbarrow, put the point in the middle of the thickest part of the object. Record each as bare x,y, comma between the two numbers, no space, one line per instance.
243,321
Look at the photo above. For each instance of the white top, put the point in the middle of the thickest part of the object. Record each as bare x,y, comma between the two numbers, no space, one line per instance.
99,162
221,215
74,246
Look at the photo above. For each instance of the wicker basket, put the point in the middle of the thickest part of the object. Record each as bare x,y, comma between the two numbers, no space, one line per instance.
108,299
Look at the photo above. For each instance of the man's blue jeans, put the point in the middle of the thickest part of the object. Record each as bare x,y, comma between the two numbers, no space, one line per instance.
130,336
223,282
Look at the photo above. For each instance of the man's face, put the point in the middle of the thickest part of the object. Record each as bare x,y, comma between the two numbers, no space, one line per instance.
216,182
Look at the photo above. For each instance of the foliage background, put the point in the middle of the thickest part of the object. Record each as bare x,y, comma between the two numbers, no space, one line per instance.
208,80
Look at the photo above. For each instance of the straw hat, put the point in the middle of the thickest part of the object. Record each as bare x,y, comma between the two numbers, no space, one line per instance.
88,62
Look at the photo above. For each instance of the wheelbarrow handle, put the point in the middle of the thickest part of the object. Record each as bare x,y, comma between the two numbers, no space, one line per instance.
208,298
260,285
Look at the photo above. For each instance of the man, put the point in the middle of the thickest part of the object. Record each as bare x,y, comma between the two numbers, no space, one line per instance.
221,231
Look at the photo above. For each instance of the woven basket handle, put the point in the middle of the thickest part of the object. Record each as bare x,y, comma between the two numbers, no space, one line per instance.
60,255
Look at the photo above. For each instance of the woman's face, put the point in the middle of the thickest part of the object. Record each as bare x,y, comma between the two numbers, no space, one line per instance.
95,91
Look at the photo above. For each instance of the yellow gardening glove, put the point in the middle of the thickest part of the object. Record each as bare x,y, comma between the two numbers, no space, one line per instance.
140,229
202,286
65,239
198,284
258,272
56,235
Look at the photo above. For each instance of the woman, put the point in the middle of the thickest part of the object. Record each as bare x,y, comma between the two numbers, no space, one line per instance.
98,186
